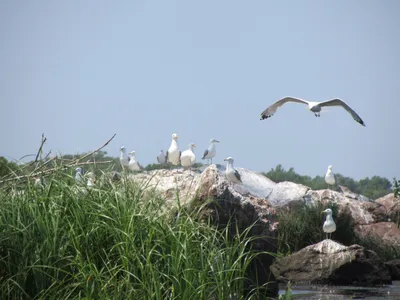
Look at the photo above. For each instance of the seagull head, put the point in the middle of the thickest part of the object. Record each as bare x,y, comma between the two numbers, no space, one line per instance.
78,170
162,151
214,141
192,145
122,149
330,167
327,211
229,159
132,153
174,136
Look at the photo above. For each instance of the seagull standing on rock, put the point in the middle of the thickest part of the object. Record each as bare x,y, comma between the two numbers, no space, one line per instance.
329,225
188,158
123,158
232,175
330,177
315,107
173,153
211,151
161,158
133,163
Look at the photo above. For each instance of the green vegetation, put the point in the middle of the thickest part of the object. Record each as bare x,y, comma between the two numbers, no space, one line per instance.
118,242
374,187
396,187
6,167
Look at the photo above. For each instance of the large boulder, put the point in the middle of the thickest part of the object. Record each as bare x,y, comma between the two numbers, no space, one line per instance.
329,262
386,234
389,208
394,268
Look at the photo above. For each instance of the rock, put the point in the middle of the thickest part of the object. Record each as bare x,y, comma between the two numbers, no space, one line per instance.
394,268
389,209
349,194
329,262
287,193
360,211
386,234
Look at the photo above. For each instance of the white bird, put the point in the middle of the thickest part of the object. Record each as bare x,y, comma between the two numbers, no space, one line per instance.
330,177
211,151
133,163
232,175
91,180
329,225
173,153
188,158
161,158
79,176
123,158
315,107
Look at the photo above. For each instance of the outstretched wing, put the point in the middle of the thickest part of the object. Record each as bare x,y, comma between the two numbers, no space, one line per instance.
238,176
205,154
269,111
338,102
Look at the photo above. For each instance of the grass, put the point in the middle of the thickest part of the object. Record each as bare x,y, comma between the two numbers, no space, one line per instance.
116,242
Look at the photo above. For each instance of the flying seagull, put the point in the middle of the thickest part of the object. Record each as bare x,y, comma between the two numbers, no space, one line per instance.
329,225
161,158
123,158
188,158
315,107
210,152
173,153
231,173
330,177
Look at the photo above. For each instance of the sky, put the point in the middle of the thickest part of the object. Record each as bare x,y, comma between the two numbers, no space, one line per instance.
80,71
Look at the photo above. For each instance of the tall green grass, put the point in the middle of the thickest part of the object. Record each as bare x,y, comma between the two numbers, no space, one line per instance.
113,242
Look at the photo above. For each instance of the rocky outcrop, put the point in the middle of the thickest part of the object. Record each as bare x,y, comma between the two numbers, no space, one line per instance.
331,263
394,268
389,208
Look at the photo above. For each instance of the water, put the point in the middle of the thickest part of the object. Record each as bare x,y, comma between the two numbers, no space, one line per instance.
330,292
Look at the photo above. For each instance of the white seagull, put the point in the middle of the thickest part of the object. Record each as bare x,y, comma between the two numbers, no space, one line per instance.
188,158
91,180
330,177
329,225
231,173
315,107
161,158
79,176
133,163
173,153
211,151
123,158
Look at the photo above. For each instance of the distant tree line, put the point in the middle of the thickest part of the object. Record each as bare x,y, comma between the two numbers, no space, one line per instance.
374,187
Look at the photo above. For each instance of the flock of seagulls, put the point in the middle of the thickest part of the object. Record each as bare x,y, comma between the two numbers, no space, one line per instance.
187,158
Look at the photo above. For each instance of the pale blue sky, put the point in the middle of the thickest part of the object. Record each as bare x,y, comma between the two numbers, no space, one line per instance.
80,71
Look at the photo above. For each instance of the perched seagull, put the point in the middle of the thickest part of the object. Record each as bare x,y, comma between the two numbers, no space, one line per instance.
123,158
133,163
315,107
329,224
330,177
173,153
211,151
188,158
231,173
161,158
91,180
79,176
